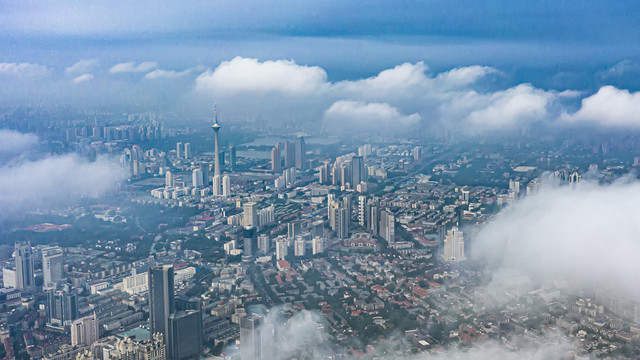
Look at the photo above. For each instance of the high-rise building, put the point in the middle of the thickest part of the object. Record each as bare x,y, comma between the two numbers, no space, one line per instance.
266,216
216,165
256,338
168,179
388,226
282,249
317,246
250,214
264,244
362,210
62,306
185,335
289,155
161,298
358,174
232,157
85,331
317,228
25,273
217,183
299,246
294,229
300,153
250,243
373,213
197,179
454,245
345,175
276,159
289,176
187,151
179,153
226,185
52,265
342,223
323,174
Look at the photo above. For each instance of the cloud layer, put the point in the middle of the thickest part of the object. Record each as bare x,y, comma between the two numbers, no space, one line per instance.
55,181
250,75
586,236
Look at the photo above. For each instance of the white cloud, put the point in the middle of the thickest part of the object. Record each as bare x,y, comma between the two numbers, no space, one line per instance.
13,142
609,107
347,114
171,74
56,180
502,109
250,75
131,67
464,76
587,236
23,69
82,78
81,67
399,78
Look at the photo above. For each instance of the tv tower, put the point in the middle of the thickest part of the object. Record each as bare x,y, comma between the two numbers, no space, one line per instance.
216,170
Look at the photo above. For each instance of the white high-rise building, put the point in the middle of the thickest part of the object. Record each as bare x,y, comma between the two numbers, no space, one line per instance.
250,214
266,216
264,243
168,179
197,179
85,331
388,226
299,246
187,150
362,210
179,150
282,248
216,185
454,245
317,246
52,265
226,185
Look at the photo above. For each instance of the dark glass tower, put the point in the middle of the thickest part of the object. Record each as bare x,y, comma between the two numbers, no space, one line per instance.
161,299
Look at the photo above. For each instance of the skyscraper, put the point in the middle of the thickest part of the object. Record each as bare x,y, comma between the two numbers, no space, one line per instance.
216,166
250,214
300,153
289,155
187,151
161,298
362,210
299,246
197,179
317,246
275,159
342,222
52,267
185,335
179,150
217,182
358,174
256,338
232,157
454,245
226,185
25,279
168,179
85,331
388,226
62,306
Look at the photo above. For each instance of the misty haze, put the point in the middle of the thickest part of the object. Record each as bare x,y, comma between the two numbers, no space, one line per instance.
319,180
